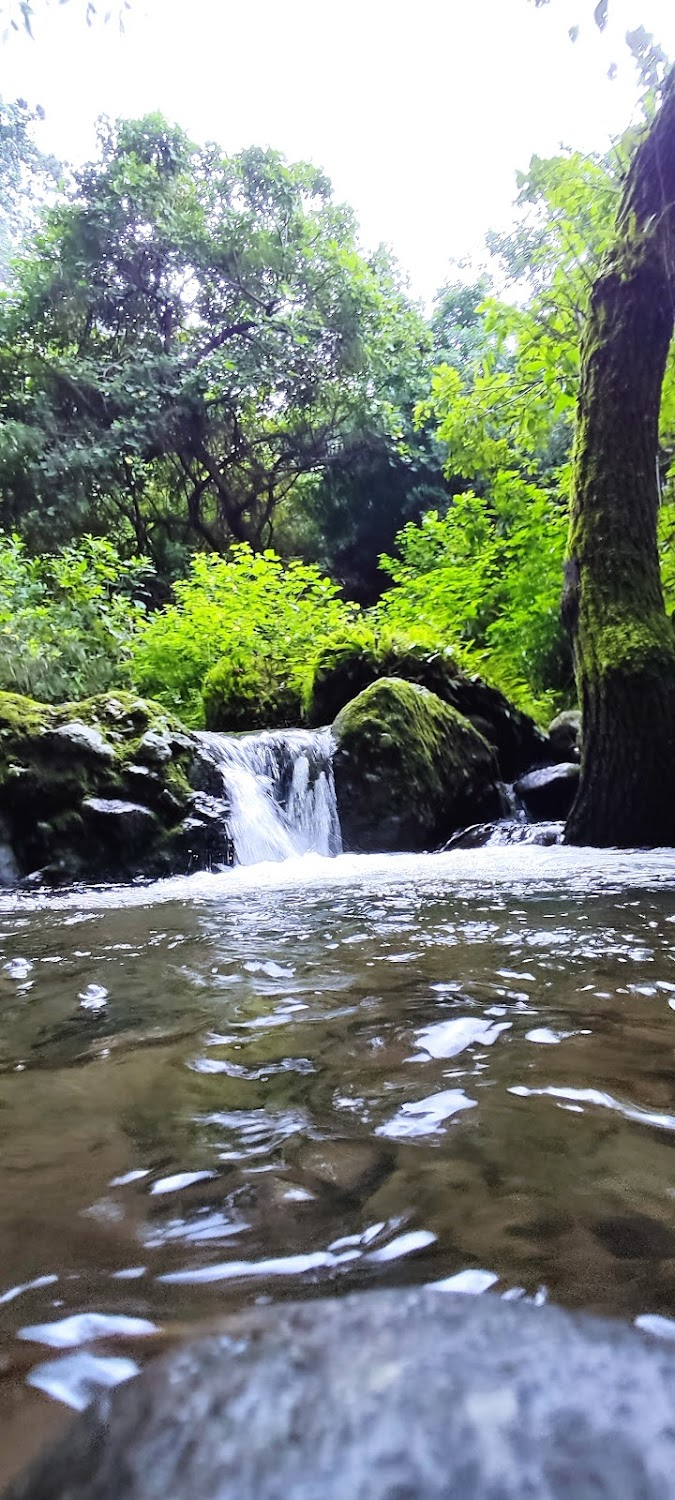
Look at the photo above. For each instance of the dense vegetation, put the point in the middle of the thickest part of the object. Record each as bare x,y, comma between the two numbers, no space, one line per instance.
228,438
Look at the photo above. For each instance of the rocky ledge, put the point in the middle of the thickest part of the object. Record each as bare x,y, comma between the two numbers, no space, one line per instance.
383,1395
109,789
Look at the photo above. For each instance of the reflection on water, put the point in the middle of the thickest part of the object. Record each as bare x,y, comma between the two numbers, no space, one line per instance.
292,1079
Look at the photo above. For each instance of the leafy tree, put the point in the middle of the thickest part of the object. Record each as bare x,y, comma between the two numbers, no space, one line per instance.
26,177
193,335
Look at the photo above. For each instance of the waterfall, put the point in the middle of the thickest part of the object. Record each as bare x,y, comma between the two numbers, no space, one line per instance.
281,792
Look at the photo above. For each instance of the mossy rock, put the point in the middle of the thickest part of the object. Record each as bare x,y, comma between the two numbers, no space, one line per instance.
409,770
346,667
105,789
240,697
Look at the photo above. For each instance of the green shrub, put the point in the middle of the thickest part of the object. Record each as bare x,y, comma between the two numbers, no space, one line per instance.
67,620
487,577
264,617
348,663
245,695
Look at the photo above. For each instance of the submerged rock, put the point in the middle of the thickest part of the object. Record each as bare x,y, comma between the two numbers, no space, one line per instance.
418,1393
549,792
103,790
345,668
409,770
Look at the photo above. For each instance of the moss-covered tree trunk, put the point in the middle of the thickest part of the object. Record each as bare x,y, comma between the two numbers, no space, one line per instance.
624,643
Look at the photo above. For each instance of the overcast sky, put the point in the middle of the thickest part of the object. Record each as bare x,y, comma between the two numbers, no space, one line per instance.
420,113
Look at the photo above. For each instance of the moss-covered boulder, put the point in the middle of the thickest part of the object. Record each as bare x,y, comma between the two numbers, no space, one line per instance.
107,789
347,666
409,770
239,696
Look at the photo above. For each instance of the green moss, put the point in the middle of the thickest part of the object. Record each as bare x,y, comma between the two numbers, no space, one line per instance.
239,695
349,664
22,717
409,769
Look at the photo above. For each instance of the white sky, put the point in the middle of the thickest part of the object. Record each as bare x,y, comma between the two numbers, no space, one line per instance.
421,114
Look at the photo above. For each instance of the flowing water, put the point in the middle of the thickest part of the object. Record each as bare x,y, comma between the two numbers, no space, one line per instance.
305,1076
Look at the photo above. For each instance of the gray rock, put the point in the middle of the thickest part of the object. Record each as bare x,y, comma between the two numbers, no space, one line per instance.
154,748
392,1395
205,774
549,792
81,736
126,824
564,733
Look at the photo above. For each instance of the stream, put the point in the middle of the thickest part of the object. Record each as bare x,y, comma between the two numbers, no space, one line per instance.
318,1072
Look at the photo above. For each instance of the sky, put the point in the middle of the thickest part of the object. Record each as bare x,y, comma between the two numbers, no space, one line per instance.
420,113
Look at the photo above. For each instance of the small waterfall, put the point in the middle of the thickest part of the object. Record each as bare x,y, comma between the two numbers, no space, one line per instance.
281,791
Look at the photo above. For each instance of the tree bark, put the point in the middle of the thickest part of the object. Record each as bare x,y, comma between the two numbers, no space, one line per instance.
623,641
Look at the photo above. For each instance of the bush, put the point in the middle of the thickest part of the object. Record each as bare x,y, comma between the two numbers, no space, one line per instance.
488,576
259,620
244,695
67,621
347,664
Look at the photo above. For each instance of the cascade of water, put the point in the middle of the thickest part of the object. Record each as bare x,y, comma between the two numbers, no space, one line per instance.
281,792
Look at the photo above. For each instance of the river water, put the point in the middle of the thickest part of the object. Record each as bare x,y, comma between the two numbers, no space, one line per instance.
303,1077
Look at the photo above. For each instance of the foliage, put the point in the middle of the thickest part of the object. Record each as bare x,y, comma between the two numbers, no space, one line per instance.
67,620
266,619
485,578
192,337
26,176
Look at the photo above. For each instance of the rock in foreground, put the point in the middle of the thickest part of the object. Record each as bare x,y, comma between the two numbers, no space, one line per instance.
394,1395
107,789
409,770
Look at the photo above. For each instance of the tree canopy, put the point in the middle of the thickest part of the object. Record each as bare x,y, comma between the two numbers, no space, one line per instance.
191,337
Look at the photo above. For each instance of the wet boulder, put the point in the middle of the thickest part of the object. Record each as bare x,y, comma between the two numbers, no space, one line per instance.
409,769
384,1394
507,831
107,789
564,733
345,668
550,791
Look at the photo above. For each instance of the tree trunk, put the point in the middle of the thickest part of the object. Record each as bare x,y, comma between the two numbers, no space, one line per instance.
623,641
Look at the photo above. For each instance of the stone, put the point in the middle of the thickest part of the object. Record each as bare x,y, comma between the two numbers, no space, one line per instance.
507,832
564,734
409,770
417,1394
549,792
82,737
127,822
345,668
348,1167
154,748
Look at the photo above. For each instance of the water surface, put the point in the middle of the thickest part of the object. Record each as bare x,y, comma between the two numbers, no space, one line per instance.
302,1078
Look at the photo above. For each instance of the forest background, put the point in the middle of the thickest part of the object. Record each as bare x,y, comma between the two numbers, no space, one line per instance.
230,436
